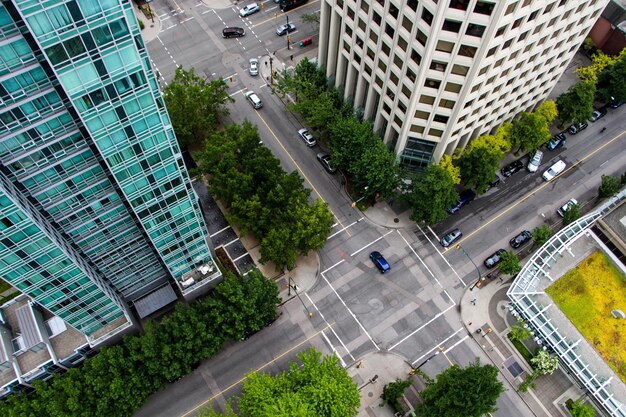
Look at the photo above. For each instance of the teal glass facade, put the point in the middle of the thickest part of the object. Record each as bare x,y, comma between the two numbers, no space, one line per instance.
89,162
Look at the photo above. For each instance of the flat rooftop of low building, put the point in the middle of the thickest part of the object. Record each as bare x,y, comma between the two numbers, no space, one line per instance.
615,220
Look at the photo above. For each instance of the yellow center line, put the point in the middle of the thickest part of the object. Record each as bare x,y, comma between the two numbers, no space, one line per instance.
277,15
302,172
234,384
536,190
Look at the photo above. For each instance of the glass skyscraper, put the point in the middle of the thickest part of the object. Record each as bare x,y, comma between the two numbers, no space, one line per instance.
96,207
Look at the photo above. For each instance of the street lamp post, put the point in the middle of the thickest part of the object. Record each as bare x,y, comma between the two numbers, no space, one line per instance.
295,290
355,202
370,381
288,37
459,247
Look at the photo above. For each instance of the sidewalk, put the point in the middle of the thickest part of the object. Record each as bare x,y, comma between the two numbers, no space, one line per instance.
152,27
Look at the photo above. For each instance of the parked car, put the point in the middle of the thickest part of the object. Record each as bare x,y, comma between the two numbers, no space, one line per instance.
496,181
598,114
561,211
285,29
512,168
556,142
307,137
535,161
554,170
494,259
466,197
450,237
577,127
326,162
254,99
249,9
233,32
254,66
380,262
520,239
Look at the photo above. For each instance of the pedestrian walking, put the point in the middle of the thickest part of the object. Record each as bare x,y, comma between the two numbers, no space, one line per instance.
473,302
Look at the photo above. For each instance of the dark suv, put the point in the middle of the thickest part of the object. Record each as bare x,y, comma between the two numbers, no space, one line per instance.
520,239
556,142
233,32
512,168
465,197
494,259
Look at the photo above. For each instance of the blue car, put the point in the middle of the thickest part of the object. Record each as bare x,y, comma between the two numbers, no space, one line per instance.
380,262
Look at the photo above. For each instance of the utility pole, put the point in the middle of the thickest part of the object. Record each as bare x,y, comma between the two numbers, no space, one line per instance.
288,36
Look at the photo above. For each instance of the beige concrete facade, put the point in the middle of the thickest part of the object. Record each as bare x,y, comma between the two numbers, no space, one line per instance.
432,75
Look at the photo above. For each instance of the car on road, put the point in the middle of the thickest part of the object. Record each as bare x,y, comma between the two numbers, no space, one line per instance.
233,32
520,239
494,259
556,142
494,183
512,168
577,127
307,137
450,237
535,161
554,170
598,114
380,262
614,104
254,99
565,207
285,29
326,162
254,66
466,197
249,9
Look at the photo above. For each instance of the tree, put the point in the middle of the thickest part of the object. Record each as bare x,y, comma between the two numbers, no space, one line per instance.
377,169
541,234
543,363
312,18
393,391
578,409
195,105
430,194
600,61
509,263
571,214
531,130
576,104
609,187
612,80
348,139
462,392
519,332
319,387
548,111
480,160
448,163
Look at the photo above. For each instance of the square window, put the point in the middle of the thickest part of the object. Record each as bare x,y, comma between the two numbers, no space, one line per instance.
451,26
475,30
427,16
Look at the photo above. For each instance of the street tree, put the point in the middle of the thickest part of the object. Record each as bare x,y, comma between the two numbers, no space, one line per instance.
543,363
462,392
318,387
548,110
531,130
195,105
599,62
312,18
612,80
509,263
449,163
541,234
576,104
393,391
430,194
348,140
480,160
609,187
377,169
571,214
578,409
519,332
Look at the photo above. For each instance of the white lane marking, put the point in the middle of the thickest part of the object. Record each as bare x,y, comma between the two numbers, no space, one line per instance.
238,258
457,343
420,259
330,327
436,347
236,92
351,313
343,364
342,229
206,11
173,26
188,19
443,257
371,243
219,231
431,231
328,269
422,326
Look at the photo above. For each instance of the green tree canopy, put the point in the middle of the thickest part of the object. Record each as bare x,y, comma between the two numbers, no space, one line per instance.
543,363
541,234
548,111
462,392
600,61
509,263
571,214
530,131
348,139
609,187
578,409
430,194
576,104
195,105
449,163
612,80
519,332
480,160
378,170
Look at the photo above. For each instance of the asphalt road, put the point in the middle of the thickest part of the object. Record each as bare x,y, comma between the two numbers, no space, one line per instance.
412,310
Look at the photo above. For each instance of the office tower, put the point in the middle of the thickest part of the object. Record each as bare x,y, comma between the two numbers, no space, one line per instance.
97,211
433,75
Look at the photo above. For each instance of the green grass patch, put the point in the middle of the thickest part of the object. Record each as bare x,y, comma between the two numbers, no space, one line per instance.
586,295
522,349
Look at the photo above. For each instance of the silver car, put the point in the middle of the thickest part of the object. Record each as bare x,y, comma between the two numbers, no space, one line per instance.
535,161
249,9
254,66
307,138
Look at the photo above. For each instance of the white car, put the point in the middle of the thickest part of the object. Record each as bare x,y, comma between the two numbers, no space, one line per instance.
554,170
307,138
254,66
535,161
567,206
249,9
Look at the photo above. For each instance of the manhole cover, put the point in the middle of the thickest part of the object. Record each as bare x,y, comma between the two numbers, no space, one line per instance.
396,220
